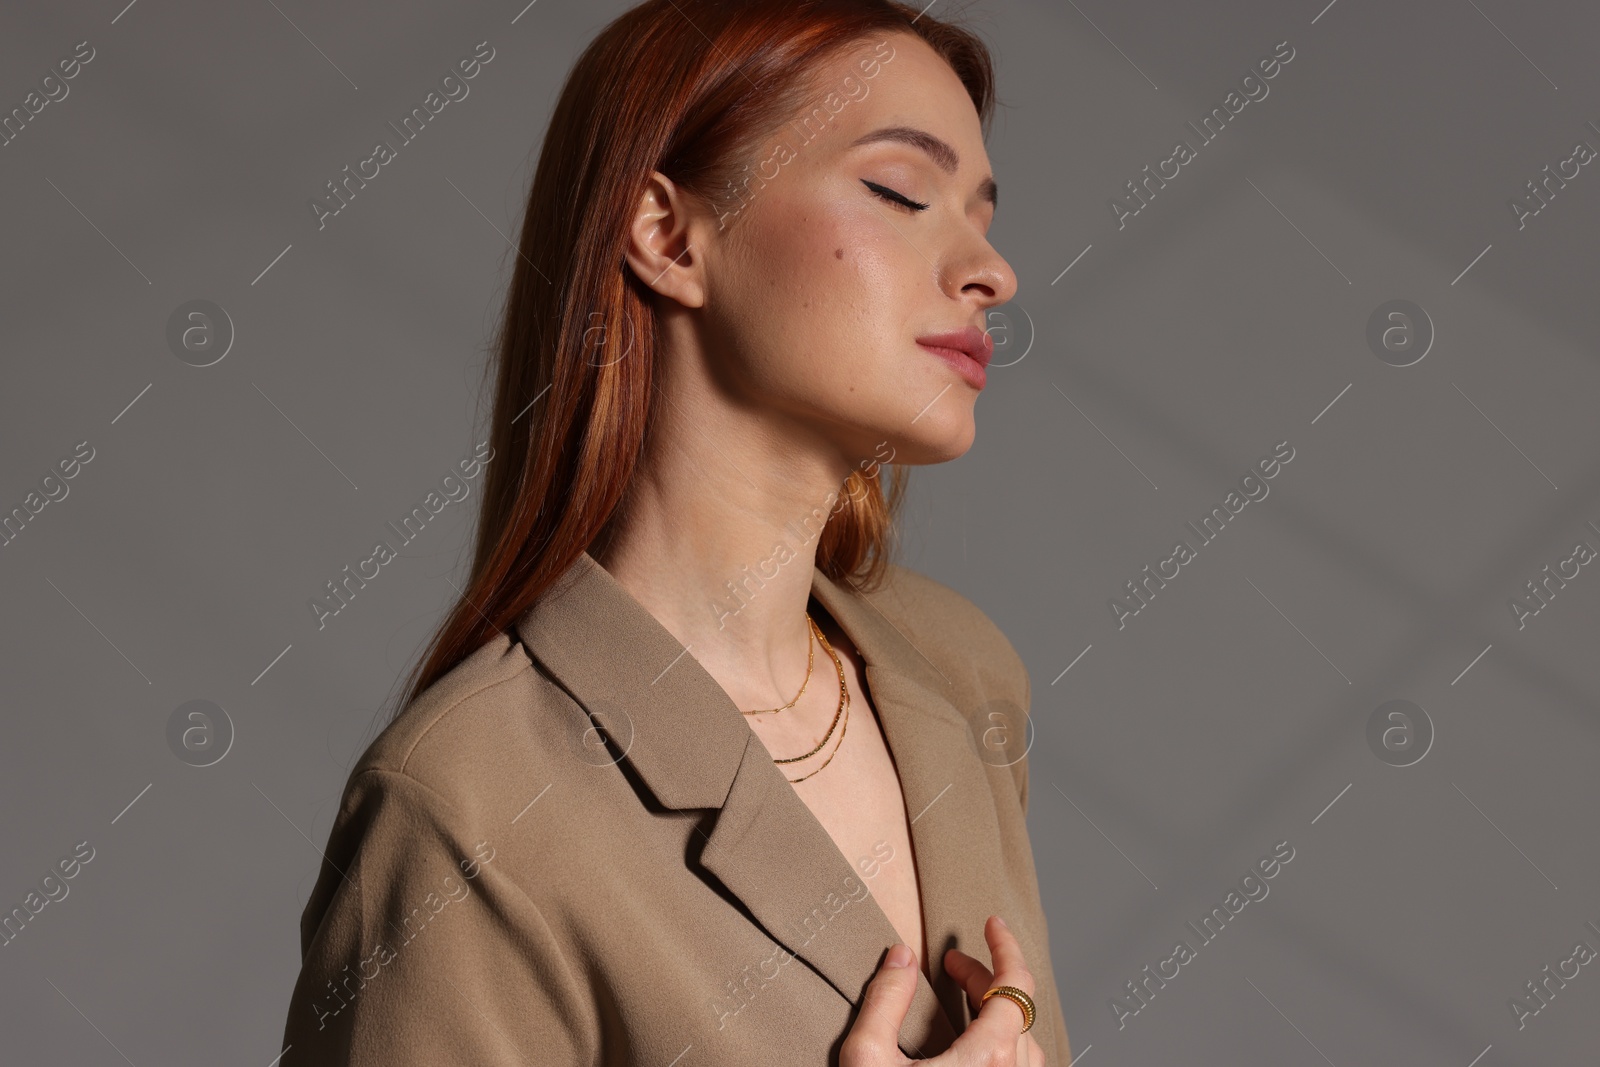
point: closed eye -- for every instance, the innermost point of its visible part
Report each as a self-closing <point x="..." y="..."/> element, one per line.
<point x="893" y="197"/>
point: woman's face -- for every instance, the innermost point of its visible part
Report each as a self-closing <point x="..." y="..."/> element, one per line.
<point x="819" y="279"/>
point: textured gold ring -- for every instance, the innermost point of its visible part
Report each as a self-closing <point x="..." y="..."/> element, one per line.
<point x="1011" y="992"/>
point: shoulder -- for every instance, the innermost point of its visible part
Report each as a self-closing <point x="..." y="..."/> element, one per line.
<point x="458" y="765"/>
<point x="486" y="723"/>
<point x="426" y="821"/>
<point x="974" y="654"/>
<point x="934" y="615"/>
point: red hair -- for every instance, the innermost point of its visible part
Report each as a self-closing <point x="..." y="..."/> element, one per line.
<point x="689" y="88"/>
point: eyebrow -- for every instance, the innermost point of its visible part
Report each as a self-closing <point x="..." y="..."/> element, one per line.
<point x="942" y="154"/>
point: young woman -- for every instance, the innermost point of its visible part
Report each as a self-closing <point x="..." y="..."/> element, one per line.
<point x="693" y="774"/>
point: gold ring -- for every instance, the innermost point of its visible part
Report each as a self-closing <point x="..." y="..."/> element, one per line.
<point x="1011" y="992"/>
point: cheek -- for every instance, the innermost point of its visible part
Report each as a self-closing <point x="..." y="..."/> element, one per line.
<point x="804" y="250"/>
<point x="822" y="303"/>
<point x="813" y="276"/>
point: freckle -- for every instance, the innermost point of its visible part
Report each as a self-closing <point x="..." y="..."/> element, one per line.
<point x="838" y="253"/>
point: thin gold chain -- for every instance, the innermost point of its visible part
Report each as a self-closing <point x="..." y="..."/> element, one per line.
<point x="811" y="655"/>
<point x="844" y="710"/>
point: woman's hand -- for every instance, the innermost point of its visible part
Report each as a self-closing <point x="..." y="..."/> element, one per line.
<point x="994" y="1039"/>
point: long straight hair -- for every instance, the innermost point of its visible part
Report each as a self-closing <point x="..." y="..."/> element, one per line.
<point x="689" y="88"/>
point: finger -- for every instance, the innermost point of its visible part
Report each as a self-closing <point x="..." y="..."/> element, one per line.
<point x="1010" y="968"/>
<point x="970" y="974"/>
<point x="876" y="1031"/>
<point x="961" y="966"/>
<point x="997" y="1022"/>
<point x="991" y="1028"/>
<point x="997" y="1025"/>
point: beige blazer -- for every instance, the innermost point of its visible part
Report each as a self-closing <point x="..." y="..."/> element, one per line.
<point x="573" y="849"/>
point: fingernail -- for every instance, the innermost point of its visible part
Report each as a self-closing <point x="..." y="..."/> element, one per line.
<point x="899" y="956"/>
<point x="1001" y="921"/>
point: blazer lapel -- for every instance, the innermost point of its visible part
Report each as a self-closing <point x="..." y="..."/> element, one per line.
<point x="661" y="714"/>
<point x="954" y="824"/>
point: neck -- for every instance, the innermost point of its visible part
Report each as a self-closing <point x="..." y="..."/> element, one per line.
<point x="718" y="541"/>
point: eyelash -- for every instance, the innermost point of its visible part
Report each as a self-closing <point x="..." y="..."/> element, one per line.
<point x="893" y="197"/>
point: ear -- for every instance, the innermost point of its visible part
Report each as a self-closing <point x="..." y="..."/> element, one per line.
<point x="662" y="245"/>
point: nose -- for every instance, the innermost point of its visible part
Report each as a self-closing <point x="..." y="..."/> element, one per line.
<point x="980" y="273"/>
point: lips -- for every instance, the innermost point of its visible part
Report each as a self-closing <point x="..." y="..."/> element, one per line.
<point x="967" y="352"/>
<point x="972" y="342"/>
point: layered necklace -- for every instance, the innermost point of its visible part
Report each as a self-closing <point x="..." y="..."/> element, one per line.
<point x="843" y="711"/>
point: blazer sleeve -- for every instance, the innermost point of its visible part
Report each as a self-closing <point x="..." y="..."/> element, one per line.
<point x="417" y="950"/>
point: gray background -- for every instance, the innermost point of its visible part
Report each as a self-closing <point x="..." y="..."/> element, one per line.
<point x="1227" y="316"/>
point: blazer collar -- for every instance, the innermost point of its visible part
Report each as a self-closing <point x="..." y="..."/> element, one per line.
<point x="664" y="716"/>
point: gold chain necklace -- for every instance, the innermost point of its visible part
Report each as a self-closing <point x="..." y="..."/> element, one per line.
<point x="811" y="654"/>
<point x="843" y="709"/>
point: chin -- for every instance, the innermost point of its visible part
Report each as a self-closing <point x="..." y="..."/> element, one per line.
<point x="935" y="437"/>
